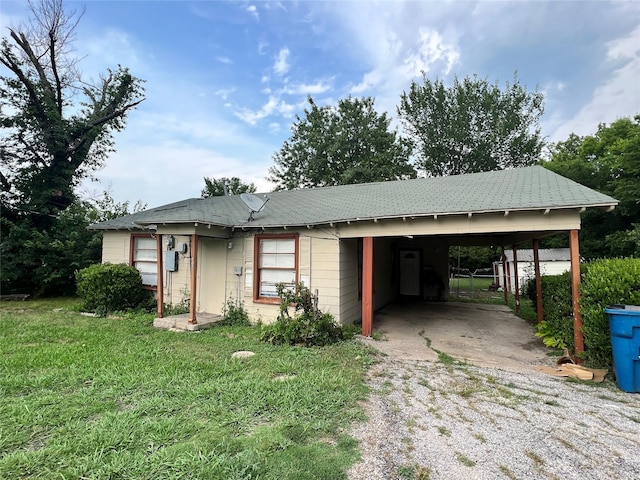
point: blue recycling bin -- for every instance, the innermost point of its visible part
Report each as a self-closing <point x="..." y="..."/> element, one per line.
<point x="624" y="321"/>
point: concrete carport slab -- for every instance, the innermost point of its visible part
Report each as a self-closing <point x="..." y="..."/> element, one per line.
<point x="480" y="334"/>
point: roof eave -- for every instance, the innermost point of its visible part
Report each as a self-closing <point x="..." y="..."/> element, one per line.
<point x="545" y="209"/>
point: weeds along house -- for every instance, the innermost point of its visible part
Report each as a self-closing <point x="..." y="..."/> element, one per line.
<point x="360" y="246"/>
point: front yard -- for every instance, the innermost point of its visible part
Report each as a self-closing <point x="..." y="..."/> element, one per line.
<point x="89" y="397"/>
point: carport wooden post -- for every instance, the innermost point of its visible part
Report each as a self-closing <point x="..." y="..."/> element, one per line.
<point x="515" y="279"/>
<point x="194" y="279"/>
<point x="367" y="286"/>
<point x="504" y="276"/>
<point x="536" y="267"/>
<point x="578" y="338"/>
<point x="160" y="286"/>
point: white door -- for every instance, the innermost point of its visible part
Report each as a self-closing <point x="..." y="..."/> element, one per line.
<point x="212" y="275"/>
<point x="410" y="272"/>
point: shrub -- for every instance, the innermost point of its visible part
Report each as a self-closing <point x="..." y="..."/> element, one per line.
<point x="235" y="316"/>
<point x="556" y="330"/>
<point x="109" y="287"/>
<point x="308" y="326"/>
<point x="180" y="307"/>
<point x="606" y="282"/>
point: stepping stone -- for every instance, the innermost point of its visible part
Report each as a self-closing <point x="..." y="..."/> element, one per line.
<point x="242" y="354"/>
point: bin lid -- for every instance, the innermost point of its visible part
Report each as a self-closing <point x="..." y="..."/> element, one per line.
<point x="623" y="309"/>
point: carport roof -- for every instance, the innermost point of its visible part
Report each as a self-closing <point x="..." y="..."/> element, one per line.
<point x="529" y="188"/>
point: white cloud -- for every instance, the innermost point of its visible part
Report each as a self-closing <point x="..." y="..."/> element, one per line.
<point x="253" y="10"/>
<point x="109" y="48"/>
<point x="392" y="42"/>
<point x="225" y="60"/>
<point x="307" y="89"/>
<point x="224" y="93"/>
<point x="616" y="97"/>
<point x="369" y="81"/>
<point x="273" y="106"/>
<point x="252" y="116"/>
<point x="431" y="49"/>
<point x="281" y="65"/>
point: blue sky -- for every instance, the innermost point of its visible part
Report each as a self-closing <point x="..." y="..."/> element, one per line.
<point x="225" y="80"/>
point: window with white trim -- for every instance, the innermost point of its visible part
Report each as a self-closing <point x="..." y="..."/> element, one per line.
<point x="276" y="262"/>
<point x="144" y="256"/>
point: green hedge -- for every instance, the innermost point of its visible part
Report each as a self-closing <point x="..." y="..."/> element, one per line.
<point x="606" y="282"/>
<point x="557" y="328"/>
<point x="111" y="287"/>
<point x="603" y="283"/>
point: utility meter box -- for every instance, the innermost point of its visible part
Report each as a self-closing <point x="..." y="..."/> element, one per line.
<point x="171" y="261"/>
<point x="237" y="270"/>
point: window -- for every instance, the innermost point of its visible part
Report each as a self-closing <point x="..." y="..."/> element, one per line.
<point x="276" y="262"/>
<point x="144" y="256"/>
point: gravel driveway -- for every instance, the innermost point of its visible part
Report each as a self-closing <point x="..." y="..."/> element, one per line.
<point x="452" y="420"/>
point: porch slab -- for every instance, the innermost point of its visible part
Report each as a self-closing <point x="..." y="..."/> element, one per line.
<point x="181" y="322"/>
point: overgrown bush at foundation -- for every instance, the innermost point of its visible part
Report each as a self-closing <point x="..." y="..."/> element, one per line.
<point x="107" y="288"/>
<point x="605" y="283"/>
<point x="308" y="326"/>
<point x="235" y="315"/>
<point x="556" y="330"/>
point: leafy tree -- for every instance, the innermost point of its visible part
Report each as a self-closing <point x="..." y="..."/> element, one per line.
<point x="57" y="128"/>
<point x="350" y="143"/>
<point x="43" y="262"/>
<point x="473" y="258"/>
<point x="215" y="187"/>
<point x="472" y="126"/>
<point x="608" y="161"/>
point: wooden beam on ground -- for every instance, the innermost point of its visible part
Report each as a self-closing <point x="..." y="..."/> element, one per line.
<point x="160" y="282"/>
<point x="536" y="267"/>
<point x="367" y="286"/>
<point x="194" y="279"/>
<point x="516" y="286"/>
<point x="578" y="338"/>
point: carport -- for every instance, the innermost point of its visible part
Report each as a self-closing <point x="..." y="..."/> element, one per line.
<point x="484" y="335"/>
<point x="506" y="208"/>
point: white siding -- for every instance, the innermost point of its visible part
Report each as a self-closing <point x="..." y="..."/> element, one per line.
<point x="177" y="285"/>
<point x="350" y="305"/>
<point x="116" y="247"/>
<point x="526" y="270"/>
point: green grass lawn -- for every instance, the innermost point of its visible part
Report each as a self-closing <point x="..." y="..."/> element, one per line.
<point x="99" y="398"/>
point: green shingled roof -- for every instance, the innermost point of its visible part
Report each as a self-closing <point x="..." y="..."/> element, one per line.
<point x="527" y="188"/>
